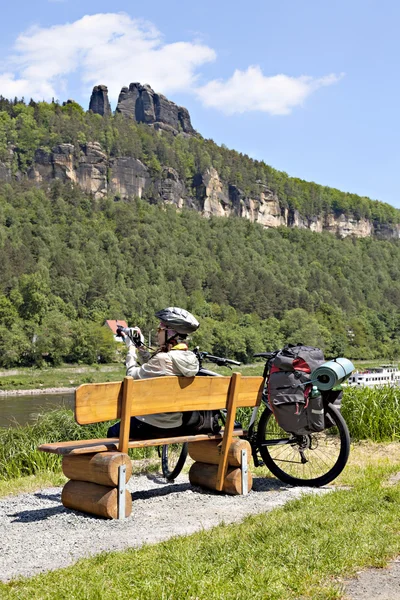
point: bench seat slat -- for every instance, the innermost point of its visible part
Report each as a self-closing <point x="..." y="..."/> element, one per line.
<point x="181" y="439"/>
<point x="81" y="446"/>
<point x="111" y="444"/>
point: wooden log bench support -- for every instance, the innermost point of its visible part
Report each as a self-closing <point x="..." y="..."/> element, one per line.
<point x="99" y="402"/>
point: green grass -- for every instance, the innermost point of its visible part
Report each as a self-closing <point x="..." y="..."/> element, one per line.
<point x="296" y="552"/>
<point x="31" y="483"/>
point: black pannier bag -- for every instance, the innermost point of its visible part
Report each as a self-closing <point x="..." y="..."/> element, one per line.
<point x="290" y="393"/>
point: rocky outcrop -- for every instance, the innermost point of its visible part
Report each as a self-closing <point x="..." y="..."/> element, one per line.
<point x="214" y="198"/>
<point x="264" y="209"/>
<point x="127" y="102"/>
<point x="58" y="164"/>
<point x="99" y="102"/>
<point x="141" y="103"/>
<point x="86" y="166"/>
<point x="171" y="190"/>
<point x="211" y="194"/>
<point x="6" y="165"/>
<point x="129" y="177"/>
<point x="344" y="226"/>
<point x="92" y="170"/>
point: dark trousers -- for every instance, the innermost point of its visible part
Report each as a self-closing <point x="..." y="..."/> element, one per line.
<point x="143" y="431"/>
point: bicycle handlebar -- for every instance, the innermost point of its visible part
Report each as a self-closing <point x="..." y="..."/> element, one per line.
<point x="218" y="359"/>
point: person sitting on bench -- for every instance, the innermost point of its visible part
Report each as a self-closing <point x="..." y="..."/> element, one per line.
<point x="171" y="358"/>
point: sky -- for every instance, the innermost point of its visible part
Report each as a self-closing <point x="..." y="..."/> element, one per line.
<point x="309" y="86"/>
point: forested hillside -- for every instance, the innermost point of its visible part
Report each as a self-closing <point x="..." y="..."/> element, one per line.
<point x="29" y="133"/>
<point x="69" y="261"/>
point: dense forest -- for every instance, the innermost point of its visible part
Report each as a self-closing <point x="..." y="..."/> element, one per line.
<point x="25" y="128"/>
<point x="68" y="262"/>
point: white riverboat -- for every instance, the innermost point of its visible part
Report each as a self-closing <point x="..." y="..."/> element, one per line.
<point x="383" y="375"/>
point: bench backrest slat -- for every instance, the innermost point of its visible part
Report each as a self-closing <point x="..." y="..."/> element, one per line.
<point x="97" y="402"/>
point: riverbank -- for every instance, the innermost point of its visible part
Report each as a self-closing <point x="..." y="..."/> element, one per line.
<point x="37" y="392"/>
<point x="56" y="380"/>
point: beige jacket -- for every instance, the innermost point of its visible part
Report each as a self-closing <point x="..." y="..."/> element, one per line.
<point x="141" y="365"/>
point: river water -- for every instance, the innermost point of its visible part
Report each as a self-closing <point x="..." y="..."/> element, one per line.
<point x="22" y="410"/>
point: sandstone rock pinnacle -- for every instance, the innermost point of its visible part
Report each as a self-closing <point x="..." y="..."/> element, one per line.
<point x="142" y="104"/>
<point x="99" y="102"/>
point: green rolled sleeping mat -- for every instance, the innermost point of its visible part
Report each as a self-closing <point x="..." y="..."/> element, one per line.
<point x="332" y="373"/>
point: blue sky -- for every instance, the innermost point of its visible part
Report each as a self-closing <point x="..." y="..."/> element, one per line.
<point x="309" y="86"/>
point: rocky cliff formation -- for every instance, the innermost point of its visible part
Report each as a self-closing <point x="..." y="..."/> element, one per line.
<point x="99" y="102"/>
<point x="124" y="177"/>
<point x="143" y="105"/>
<point x="88" y="166"/>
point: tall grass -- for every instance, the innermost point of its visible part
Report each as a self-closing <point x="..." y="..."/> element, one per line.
<point x="19" y="456"/>
<point x="372" y="413"/>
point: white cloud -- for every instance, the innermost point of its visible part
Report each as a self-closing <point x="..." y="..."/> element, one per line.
<point x="252" y="91"/>
<point x="115" y="50"/>
<point x="11" y="87"/>
<point x="104" y="48"/>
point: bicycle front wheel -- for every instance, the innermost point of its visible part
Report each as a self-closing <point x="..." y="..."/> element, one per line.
<point x="314" y="459"/>
<point x="173" y="457"/>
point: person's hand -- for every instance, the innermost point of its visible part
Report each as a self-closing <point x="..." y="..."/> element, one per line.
<point x="133" y="336"/>
<point x="120" y="332"/>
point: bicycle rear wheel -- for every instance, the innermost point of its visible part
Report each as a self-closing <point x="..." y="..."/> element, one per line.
<point x="173" y="457"/>
<point x="314" y="459"/>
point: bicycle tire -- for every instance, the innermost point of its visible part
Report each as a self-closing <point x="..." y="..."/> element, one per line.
<point x="328" y="449"/>
<point x="173" y="457"/>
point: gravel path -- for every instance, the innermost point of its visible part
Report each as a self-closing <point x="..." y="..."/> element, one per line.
<point x="376" y="584"/>
<point x="32" y="523"/>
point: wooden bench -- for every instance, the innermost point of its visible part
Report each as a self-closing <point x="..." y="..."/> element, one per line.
<point x="99" y="402"/>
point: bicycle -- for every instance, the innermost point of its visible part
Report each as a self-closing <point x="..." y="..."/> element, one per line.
<point x="314" y="459"/>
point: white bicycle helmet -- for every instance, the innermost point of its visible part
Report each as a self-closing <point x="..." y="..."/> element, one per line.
<point x="178" y="319"/>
